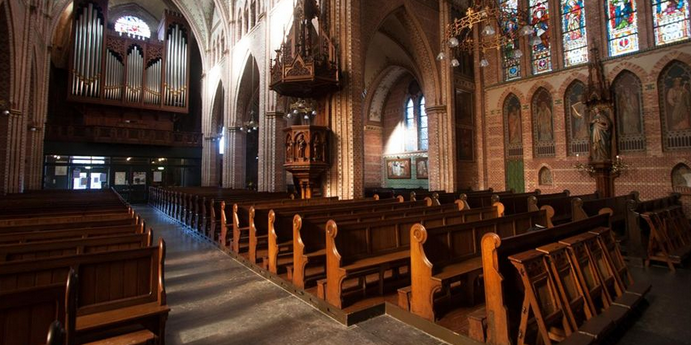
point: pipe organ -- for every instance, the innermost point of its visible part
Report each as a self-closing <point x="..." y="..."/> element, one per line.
<point x="109" y="68"/>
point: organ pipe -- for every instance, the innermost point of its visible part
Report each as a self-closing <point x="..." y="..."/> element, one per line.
<point x="150" y="73"/>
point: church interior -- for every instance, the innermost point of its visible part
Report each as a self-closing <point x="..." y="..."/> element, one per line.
<point x="500" y="172"/>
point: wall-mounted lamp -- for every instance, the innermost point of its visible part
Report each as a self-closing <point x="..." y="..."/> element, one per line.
<point x="6" y="112"/>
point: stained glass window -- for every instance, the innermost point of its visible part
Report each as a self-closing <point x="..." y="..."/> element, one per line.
<point x="132" y="26"/>
<point x="512" y="55"/>
<point x="574" y="32"/>
<point x="671" y="20"/>
<point x="622" y="28"/>
<point x="422" y="128"/>
<point x="539" y="19"/>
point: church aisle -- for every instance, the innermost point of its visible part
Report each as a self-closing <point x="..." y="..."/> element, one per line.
<point x="216" y="300"/>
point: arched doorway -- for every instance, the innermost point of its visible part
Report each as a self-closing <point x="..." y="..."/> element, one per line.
<point x="248" y="115"/>
<point x="218" y="130"/>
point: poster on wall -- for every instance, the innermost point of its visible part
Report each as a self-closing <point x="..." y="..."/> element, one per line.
<point x="421" y="171"/>
<point x="60" y="171"/>
<point x="398" y="168"/>
<point x="158" y="176"/>
<point x="139" y="178"/>
<point x="120" y="178"/>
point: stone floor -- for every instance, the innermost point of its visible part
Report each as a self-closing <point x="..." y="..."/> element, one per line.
<point x="216" y="300"/>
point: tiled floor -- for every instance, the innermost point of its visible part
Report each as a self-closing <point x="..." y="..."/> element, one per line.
<point x="216" y="300"/>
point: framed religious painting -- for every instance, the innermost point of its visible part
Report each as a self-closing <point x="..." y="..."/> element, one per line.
<point x="421" y="171"/>
<point x="398" y="168"/>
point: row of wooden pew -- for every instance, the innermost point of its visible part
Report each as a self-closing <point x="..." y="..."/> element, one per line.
<point x="79" y="267"/>
<point x="426" y="252"/>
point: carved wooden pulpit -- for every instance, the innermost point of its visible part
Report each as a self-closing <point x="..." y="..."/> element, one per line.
<point x="307" y="156"/>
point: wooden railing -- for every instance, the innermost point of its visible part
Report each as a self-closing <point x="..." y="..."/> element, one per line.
<point x="122" y="135"/>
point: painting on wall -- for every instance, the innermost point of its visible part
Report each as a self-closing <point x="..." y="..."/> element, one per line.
<point x="578" y="111"/>
<point x="398" y="168"/>
<point x="627" y="90"/>
<point x="421" y="171"/>
<point x="464" y="107"/>
<point x="542" y="115"/>
<point x="465" y="141"/>
<point x="676" y="94"/>
<point x="512" y="109"/>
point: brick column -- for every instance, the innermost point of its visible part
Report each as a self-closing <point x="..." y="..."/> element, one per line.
<point x="442" y="157"/>
<point x="346" y="177"/>
<point x="271" y="172"/>
<point x="234" y="159"/>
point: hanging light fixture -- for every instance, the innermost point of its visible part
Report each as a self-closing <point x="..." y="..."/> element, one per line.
<point x="253" y="123"/>
<point x="500" y="27"/>
<point x="303" y="108"/>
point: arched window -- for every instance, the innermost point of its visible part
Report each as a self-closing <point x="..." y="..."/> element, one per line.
<point x="422" y="127"/>
<point x="416" y="123"/>
<point x="629" y="106"/>
<point x="671" y="21"/>
<point x="132" y="27"/>
<point x="622" y="28"/>
<point x="222" y="142"/>
<point x="681" y="177"/>
<point x="410" y="126"/>
<point x="574" y="34"/>
<point x="541" y="58"/>
<point x="511" y="51"/>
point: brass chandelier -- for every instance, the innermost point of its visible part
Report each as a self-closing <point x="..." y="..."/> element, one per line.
<point x="501" y="26"/>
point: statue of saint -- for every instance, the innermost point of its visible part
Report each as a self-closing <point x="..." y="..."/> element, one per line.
<point x="302" y="144"/>
<point x="289" y="148"/>
<point x="600" y="136"/>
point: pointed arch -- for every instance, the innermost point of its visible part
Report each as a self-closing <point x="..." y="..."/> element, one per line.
<point x="543" y="123"/>
<point x="675" y="105"/>
<point x="576" y="119"/>
<point x="6" y="48"/>
<point x="628" y="104"/>
<point x="513" y="143"/>
<point x="681" y="177"/>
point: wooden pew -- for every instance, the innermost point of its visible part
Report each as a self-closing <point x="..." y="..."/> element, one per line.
<point x="582" y="209"/>
<point x="670" y="236"/>
<point x="283" y="228"/>
<point x="440" y="256"/>
<point x="132" y="294"/>
<point x="559" y="206"/>
<point x="259" y="217"/>
<point x="485" y="199"/>
<point x="64" y="234"/>
<point x="514" y="264"/>
<point x="67" y="222"/>
<point x="518" y="203"/>
<point x="638" y="230"/>
<point x="44" y="249"/>
<point x="355" y="250"/>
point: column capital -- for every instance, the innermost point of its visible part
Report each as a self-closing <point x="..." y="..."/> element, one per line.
<point x="436" y="109"/>
<point x="274" y="114"/>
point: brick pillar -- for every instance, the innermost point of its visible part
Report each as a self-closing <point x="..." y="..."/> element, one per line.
<point x="346" y="177"/>
<point x="442" y="157"/>
<point x="271" y="171"/>
<point x="234" y="160"/>
<point x="208" y="161"/>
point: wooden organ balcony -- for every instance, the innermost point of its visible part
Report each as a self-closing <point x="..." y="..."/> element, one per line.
<point x="107" y="68"/>
<point x="122" y="135"/>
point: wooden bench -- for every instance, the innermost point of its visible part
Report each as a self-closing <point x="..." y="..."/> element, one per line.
<point x="51" y="235"/>
<point x="440" y="256"/>
<point x="638" y="230"/>
<point x="533" y="263"/>
<point x="582" y="209"/>
<point x="67" y="222"/>
<point x="259" y="217"/>
<point x="310" y="246"/>
<point x="670" y="236"/>
<point x="44" y="249"/>
<point x="132" y="293"/>
<point x="559" y="205"/>
<point x="518" y="203"/>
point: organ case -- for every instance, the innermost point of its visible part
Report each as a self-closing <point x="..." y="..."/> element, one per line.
<point x="109" y="68"/>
